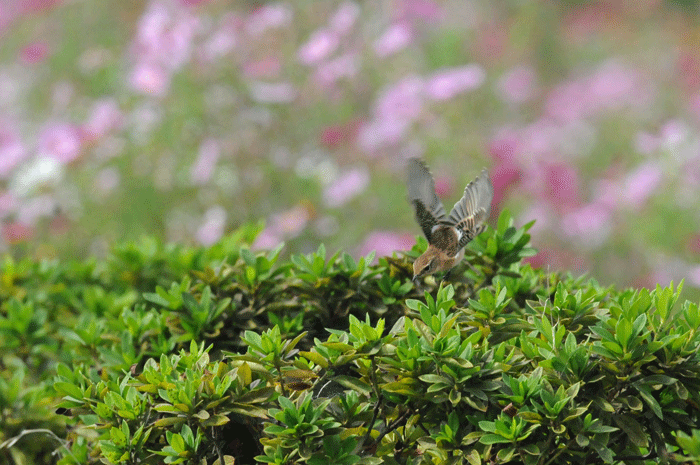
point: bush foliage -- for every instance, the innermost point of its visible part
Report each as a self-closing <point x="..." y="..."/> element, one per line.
<point x="169" y="354"/>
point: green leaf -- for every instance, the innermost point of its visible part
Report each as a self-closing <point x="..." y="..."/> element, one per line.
<point x="632" y="428"/>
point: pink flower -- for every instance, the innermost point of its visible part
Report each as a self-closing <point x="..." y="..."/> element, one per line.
<point x="12" y="151"/>
<point x="517" y="85"/>
<point x="149" y="78"/>
<point x="590" y="225"/>
<point x="612" y="86"/>
<point x="224" y="39"/>
<point x="344" y="17"/>
<point x="321" y="44"/>
<point x="640" y="184"/>
<point x="394" y="39"/>
<point x="165" y="35"/>
<point x="378" y="133"/>
<point x="270" y="16"/>
<point x="344" y="66"/>
<point x="266" y="240"/>
<point x="444" y="186"/>
<point x="561" y="184"/>
<point x="502" y="148"/>
<point x="269" y="67"/>
<point x="674" y="132"/>
<point x="16" y="232"/>
<point x="386" y="242"/>
<point x="449" y="83"/>
<point x="105" y="117"/>
<point x="290" y="223"/>
<point x="203" y="167"/>
<point x="263" y="92"/>
<point x="503" y="176"/>
<point x="403" y="100"/>
<point x="395" y="110"/>
<point x="61" y="142"/>
<point x="345" y="187"/>
<point x="424" y="10"/>
<point x="333" y="136"/>
<point x="213" y="226"/>
<point x="34" y="52"/>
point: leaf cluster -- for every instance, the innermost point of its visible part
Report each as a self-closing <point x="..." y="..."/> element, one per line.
<point x="167" y="354"/>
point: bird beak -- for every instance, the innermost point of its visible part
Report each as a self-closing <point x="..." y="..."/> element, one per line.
<point x="415" y="279"/>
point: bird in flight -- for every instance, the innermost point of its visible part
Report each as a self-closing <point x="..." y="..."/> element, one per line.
<point x="447" y="235"/>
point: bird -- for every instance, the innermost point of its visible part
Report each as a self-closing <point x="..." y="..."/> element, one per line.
<point x="447" y="235"/>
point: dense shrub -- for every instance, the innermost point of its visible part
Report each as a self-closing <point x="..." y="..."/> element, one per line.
<point x="165" y="354"/>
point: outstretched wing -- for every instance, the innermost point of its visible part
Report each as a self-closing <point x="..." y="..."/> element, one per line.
<point x="421" y="192"/>
<point x="468" y="215"/>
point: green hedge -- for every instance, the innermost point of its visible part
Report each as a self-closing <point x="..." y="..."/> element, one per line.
<point x="169" y="354"/>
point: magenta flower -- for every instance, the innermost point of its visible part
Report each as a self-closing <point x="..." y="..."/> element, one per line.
<point x="503" y="176"/>
<point x="503" y="147"/>
<point x="395" y="38"/>
<point x="16" y="232"/>
<point x="449" y="83"/>
<point x="344" y="17"/>
<point x="34" y="52"/>
<point x="203" y="167"/>
<point x="386" y="242"/>
<point x="61" y="142"/>
<point x="322" y="43"/>
<point x="345" y="187"/>
<point x="334" y="136"/>
<point x="561" y="184"/>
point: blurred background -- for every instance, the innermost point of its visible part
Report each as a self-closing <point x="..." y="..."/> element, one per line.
<point x="184" y="119"/>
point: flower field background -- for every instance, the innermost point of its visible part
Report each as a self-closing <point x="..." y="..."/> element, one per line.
<point x="184" y="119"/>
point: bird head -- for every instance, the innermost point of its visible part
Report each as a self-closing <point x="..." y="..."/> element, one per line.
<point x="426" y="264"/>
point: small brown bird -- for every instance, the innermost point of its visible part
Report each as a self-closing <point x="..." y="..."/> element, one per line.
<point x="446" y="236"/>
